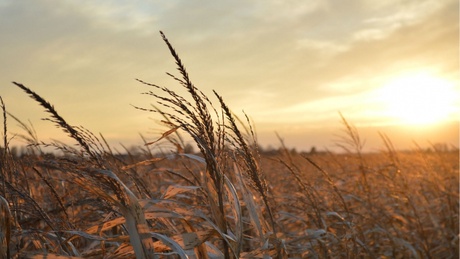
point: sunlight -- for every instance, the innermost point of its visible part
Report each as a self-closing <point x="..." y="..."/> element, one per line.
<point x="419" y="99"/>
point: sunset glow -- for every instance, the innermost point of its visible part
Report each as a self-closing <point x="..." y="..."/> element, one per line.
<point x="291" y="66"/>
<point x="419" y="99"/>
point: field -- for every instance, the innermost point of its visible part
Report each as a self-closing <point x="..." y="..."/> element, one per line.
<point x="230" y="199"/>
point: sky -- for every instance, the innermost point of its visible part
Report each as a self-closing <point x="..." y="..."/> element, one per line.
<point x="293" y="66"/>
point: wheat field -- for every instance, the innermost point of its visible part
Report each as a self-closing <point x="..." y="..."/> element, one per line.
<point x="229" y="199"/>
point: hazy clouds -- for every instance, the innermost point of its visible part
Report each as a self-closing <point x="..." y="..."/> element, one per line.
<point x="299" y="60"/>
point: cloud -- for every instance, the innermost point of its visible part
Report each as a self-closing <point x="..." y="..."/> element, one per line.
<point x="426" y="43"/>
<point x="342" y="80"/>
<point x="266" y="57"/>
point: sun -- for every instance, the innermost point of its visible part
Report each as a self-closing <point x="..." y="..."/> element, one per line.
<point x="419" y="99"/>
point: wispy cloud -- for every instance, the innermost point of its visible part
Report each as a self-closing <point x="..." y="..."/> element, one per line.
<point x="294" y="59"/>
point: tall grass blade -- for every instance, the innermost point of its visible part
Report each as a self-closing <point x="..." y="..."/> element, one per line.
<point x="5" y="228"/>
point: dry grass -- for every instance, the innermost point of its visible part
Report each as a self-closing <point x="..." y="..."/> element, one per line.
<point x="229" y="200"/>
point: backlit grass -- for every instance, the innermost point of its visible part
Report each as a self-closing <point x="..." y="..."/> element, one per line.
<point x="228" y="200"/>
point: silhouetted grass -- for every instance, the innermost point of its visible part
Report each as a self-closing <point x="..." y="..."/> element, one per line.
<point x="230" y="200"/>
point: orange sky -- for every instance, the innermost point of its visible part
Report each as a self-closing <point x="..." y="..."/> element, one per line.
<point x="290" y="65"/>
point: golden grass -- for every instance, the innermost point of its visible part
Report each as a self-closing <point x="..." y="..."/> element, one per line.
<point x="5" y="228"/>
<point x="230" y="200"/>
